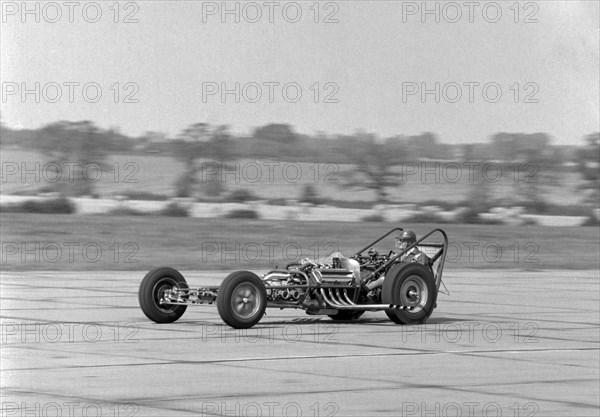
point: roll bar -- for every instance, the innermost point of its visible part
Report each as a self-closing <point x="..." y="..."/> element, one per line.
<point x="441" y="253"/>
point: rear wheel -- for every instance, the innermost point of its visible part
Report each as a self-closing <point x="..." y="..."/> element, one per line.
<point x="242" y="300"/>
<point x="151" y="292"/>
<point x="411" y="285"/>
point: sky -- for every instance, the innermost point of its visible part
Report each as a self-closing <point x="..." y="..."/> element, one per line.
<point x="332" y="67"/>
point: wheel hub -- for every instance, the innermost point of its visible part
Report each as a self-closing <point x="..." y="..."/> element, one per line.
<point x="159" y="290"/>
<point x="245" y="300"/>
<point x="413" y="293"/>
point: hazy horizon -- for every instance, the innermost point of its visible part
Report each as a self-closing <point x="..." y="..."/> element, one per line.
<point x="370" y="57"/>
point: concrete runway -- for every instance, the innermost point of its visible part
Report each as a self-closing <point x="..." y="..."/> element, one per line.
<point x="504" y="343"/>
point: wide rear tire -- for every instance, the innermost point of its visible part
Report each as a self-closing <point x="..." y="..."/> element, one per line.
<point x="152" y="288"/>
<point x="411" y="285"/>
<point x="242" y="300"/>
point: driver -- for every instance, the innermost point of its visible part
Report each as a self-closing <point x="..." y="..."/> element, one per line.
<point x="407" y="238"/>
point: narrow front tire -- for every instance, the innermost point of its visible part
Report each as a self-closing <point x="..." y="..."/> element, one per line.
<point x="152" y="290"/>
<point x="242" y="300"/>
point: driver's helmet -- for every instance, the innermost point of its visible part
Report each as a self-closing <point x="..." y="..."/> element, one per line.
<point x="407" y="238"/>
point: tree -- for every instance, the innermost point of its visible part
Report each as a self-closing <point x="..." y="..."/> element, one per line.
<point x="529" y="183"/>
<point x="220" y="145"/>
<point x="310" y="195"/>
<point x="534" y="147"/>
<point x="281" y="133"/>
<point x="201" y="141"/>
<point x="589" y="167"/>
<point x="79" y="150"/>
<point x="4" y="131"/>
<point x="373" y="165"/>
<point x="188" y="149"/>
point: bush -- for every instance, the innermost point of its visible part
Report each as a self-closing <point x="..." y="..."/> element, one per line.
<point x="471" y="216"/>
<point x="76" y="188"/>
<point x="29" y="192"/>
<point x="278" y="202"/>
<point x="174" y="210"/>
<point x="126" y="211"/>
<point x="144" y="195"/>
<point x="373" y="218"/>
<point x="241" y="196"/>
<point x="529" y="222"/>
<point x="468" y="215"/>
<point x="570" y="210"/>
<point x="242" y="214"/>
<point x="310" y="195"/>
<point x="535" y="206"/>
<point x="59" y="205"/>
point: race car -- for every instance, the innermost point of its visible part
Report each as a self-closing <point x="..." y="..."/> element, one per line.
<point x="403" y="283"/>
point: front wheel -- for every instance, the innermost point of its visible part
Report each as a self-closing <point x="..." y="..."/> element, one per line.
<point x="242" y="300"/>
<point x="152" y="290"/>
<point x="411" y="285"/>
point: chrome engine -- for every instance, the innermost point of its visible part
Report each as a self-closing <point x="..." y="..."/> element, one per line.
<point x="284" y="280"/>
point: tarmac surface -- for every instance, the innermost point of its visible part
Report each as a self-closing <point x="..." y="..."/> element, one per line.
<point x="504" y="343"/>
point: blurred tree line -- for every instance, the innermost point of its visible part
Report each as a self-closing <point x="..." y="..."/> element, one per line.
<point x="281" y="142"/>
<point x="372" y="157"/>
